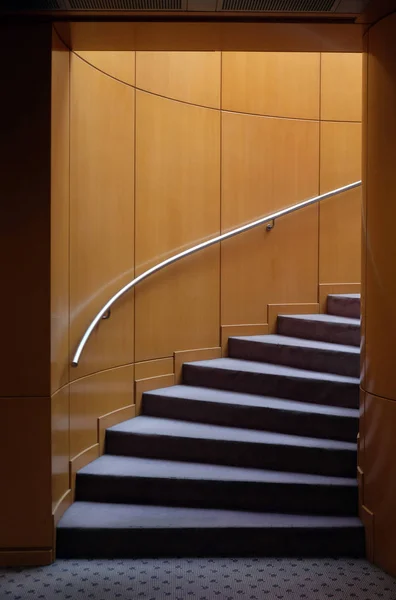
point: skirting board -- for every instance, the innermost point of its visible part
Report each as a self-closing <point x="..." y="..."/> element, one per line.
<point x="288" y="309"/>
<point x="367" y="518"/>
<point x="335" y="288"/>
<point x="152" y="383"/>
<point x="26" y="558"/>
<point x="62" y="506"/>
<point x="113" y="418"/>
<point x="79" y="461"/>
<point x="153" y="368"/>
<point x="228" y="331"/>
<point x="184" y="356"/>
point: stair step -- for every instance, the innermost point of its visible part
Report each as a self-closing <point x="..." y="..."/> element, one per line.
<point x="247" y="411"/>
<point x="102" y="530"/>
<point x="131" y="480"/>
<point x="344" y="305"/>
<point x="325" y="328"/>
<point x="273" y="380"/>
<point x="169" y="439"/>
<point x="295" y="352"/>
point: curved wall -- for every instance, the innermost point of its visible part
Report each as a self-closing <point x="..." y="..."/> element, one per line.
<point x="168" y="149"/>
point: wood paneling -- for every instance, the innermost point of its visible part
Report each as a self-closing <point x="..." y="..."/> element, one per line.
<point x="177" y="206"/>
<point x="284" y="84"/>
<point x="193" y="355"/>
<point x="120" y="65"/>
<point x="268" y="164"/>
<point x="94" y="396"/>
<point x="25" y="158"/>
<point x="101" y="214"/>
<point x="380" y="153"/>
<point x="341" y="87"/>
<point x="25" y="467"/>
<point x="152" y="383"/>
<point x="258" y="37"/>
<point x="82" y="459"/>
<point x="189" y="76"/>
<point x="60" y="176"/>
<point x="288" y="309"/>
<point x="153" y="368"/>
<point x="340" y="217"/>
<point x="228" y="331"/>
<point x="26" y="558"/>
<point x="60" y="426"/>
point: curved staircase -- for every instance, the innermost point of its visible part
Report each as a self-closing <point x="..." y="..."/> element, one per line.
<point x="255" y="454"/>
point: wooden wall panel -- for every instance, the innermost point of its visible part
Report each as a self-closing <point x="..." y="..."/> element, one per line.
<point x="268" y="164"/>
<point x="341" y="86"/>
<point x="120" y="65"/>
<point x="340" y="217"/>
<point x="243" y="37"/>
<point x="25" y="467"/>
<point x="25" y="158"/>
<point x="177" y="206"/>
<point x="101" y="215"/>
<point x="60" y="206"/>
<point x="60" y="426"/>
<point x="284" y="84"/>
<point x="94" y="396"/>
<point x="189" y="76"/>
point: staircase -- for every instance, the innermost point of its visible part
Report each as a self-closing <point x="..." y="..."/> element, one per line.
<point x="255" y="454"/>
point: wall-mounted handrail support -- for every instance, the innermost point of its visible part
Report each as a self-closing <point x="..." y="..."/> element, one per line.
<point x="105" y="310"/>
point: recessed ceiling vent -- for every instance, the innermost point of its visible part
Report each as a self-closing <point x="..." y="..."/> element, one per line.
<point x="279" y="5"/>
<point x="127" y="4"/>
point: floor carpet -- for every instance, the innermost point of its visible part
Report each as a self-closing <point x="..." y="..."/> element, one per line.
<point x="200" y="579"/>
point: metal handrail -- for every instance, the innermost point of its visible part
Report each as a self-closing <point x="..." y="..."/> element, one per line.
<point x="104" y="312"/>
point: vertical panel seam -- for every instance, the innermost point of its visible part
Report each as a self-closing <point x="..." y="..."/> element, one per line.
<point x="134" y="207"/>
<point x="319" y="165"/>
<point x="221" y="194"/>
<point x="69" y="258"/>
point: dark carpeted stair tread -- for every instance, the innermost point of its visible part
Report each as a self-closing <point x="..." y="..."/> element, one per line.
<point x="249" y="366"/>
<point x="131" y="467"/>
<point x="346" y="305"/>
<point x="322" y="327"/>
<point x="297" y="352"/>
<point x="202" y="394"/>
<point x="267" y="379"/>
<point x="247" y="411"/>
<point x="154" y="426"/>
<point x="115" y="530"/>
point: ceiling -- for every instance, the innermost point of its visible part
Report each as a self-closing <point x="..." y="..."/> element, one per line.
<point x="214" y="8"/>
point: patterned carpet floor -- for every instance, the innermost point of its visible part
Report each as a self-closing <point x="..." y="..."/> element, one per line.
<point x="200" y="579"/>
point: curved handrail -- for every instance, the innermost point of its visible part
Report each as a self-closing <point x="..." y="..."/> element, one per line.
<point x="225" y="236"/>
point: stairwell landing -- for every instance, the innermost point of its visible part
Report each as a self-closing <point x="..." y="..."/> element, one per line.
<point x="254" y="454"/>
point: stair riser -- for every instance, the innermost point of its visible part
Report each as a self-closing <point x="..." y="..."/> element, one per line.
<point x="260" y="497"/>
<point x="340" y="463"/>
<point x="334" y="333"/>
<point x="344" y="307"/>
<point x="247" y="417"/>
<point x="299" y="357"/>
<point x="222" y="541"/>
<point x="300" y="389"/>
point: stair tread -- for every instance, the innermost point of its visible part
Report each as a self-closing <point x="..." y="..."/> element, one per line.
<point x="169" y="427"/>
<point x="324" y="318"/>
<point x="347" y="296"/>
<point x="246" y="366"/>
<point x="190" y="392"/>
<point x="98" y="515"/>
<point x="283" y="340"/>
<point x="125" y="466"/>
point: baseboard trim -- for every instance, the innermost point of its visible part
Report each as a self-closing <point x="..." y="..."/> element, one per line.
<point x="288" y="309"/>
<point x="227" y="331"/>
<point x="80" y="461"/>
<point x="151" y="383"/>
<point x="367" y="518"/>
<point x="183" y="356"/>
<point x="113" y="418"/>
<point x="61" y="506"/>
<point x="26" y="558"/>
<point x="335" y="288"/>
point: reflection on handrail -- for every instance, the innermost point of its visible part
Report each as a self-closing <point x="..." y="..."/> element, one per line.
<point x="225" y="236"/>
